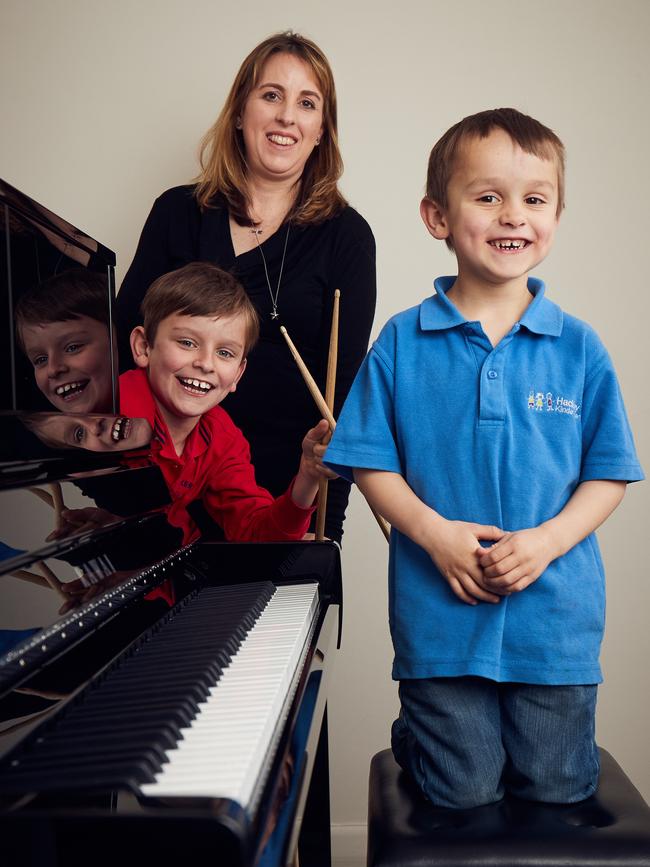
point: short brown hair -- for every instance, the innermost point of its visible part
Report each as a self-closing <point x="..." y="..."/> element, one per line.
<point x="63" y="297"/>
<point x="222" y="154"/>
<point x="198" y="289"/>
<point x="531" y="136"/>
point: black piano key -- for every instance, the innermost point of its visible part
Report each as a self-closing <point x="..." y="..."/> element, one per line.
<point x="133" y="764"/>
<point x="163" y="671"/>
<point x="110" y="705"/>
<point x="226" y="643"/>
<point x="165" y="735"/>
<point x="155" y="714"/>
<point x="180" y="688"/>
<point x="109" y="776"/>
<point x="72" y="753"/>
<point x="197" y="683"/>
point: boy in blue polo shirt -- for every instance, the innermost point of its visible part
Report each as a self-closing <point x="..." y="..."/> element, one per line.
<point x="488" y="427"/>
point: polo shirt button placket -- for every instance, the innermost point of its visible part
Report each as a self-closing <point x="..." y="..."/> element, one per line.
<point x="492" y="402"/>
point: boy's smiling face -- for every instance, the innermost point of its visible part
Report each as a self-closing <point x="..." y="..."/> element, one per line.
<point x="501" y="213"/>
<point x="71" y="360"/>
<point x="193" y="363"/>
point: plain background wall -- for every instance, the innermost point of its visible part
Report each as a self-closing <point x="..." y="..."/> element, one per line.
<point x="103" y="105"/>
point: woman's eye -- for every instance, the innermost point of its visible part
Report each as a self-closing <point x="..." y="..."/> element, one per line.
<point x="271" y="96"/>
<point x="307" y="103"/>
<point x="78" y="434"/>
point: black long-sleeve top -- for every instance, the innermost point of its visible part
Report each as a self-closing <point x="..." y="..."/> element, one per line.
<point x="272" y="405"/>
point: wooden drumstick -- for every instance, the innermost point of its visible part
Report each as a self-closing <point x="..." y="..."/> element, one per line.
<point x="323" y="408"/>
<point x="324" y="411"/>
<point x="43" y="495"/>
<point x="59" y="505"/>
<point x="25" y="575"/>
<point x="51" y="578"/>
<point x="330" y="387"/>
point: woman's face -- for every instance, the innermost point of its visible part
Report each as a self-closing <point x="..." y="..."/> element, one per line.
<point x="95" y="433"/>
<point x="71" y="360"/>
<point x="282" y="119"/>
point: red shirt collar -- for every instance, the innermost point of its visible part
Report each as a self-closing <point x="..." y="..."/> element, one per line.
<point x="137" y="400"/>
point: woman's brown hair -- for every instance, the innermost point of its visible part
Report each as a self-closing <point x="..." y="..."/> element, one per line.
<point x="222" y="155"/>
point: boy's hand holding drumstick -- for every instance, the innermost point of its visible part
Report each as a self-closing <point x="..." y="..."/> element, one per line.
<point x="312" y="470"/>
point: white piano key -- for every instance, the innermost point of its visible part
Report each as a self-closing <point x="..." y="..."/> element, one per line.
<point x="222" y="752"/>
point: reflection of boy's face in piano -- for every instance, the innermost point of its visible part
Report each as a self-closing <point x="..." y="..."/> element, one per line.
<point x="193" y="363"/>
<point x="71" y="360"/>
<point x="95" y="433"/>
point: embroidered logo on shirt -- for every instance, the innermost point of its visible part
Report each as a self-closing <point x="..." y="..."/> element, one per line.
<point x="540" y="401"/>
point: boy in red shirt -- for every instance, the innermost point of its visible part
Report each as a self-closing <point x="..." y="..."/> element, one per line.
<point x="199" y="326"/>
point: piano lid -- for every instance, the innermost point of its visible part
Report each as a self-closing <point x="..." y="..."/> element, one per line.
<point x="56" y="290"/>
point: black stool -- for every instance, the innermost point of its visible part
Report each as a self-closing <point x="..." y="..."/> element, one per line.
<point x="610" y="829"/>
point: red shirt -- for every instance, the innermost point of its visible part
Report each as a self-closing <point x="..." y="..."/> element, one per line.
<point x="215" y="467"/>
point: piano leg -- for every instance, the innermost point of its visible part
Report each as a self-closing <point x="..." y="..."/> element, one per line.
<point x="315" y="844"/>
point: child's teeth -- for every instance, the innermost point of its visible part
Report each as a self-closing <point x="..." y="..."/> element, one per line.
<point x="508" y="245"/>
<point x="197" y="383"/>
<point x="63" y="389"/>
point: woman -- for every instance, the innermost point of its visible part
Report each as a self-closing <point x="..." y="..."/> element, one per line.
<point x="266" y="207"/>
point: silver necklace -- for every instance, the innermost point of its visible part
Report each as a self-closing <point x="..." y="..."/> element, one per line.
<point x="274" y="296"/>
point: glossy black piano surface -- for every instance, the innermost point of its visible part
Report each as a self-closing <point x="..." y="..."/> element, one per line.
<point x="113" y="636"/>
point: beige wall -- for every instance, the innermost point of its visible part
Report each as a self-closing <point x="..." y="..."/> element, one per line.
<point x="102" y="107"/>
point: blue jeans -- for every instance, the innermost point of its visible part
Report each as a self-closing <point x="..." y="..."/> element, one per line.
<point x="467" y="740"/>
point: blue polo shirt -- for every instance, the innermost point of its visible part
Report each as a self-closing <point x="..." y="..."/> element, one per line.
<point x="498" y="435"/>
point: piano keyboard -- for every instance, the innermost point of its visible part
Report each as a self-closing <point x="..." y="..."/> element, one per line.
<point x="222" y="751"/>
<point x="193" y="691"/>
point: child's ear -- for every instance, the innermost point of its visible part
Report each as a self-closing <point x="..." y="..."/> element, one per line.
<point x="434" y="219"/>
<point x="242" y="368"/>
<point x="140" y="346"/>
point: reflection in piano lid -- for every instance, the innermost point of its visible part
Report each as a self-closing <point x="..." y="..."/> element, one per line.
<point x="75" y="546"/>
<point x="57" y="286"/>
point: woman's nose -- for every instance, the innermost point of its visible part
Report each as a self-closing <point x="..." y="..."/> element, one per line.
<point x="285" y="113"/>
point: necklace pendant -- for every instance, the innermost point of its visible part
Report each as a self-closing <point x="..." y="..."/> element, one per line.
<point x="272" y="295"/>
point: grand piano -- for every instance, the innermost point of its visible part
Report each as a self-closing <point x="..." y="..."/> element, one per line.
<point x="159" y="703"/>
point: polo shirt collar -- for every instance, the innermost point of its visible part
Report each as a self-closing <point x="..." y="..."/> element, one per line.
<point x="197" y="442"/>
<point x="438" y="313"/>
